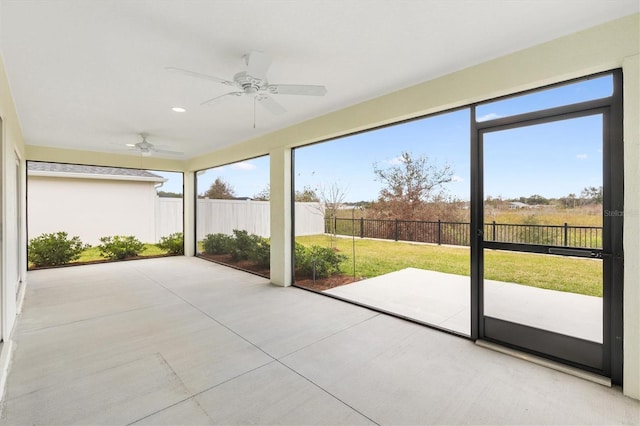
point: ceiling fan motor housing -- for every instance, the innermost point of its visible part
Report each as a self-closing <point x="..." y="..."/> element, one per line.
<point x="249" y="84"/>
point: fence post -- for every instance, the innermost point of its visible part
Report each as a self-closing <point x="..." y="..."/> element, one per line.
<point x="335" y="225"/>
<point x="439" y="231"/>
<point x="396" y="229"/>
<point x="493" y="231"/>
<point x="361" y="227"/>
<point x="566" y="234"/>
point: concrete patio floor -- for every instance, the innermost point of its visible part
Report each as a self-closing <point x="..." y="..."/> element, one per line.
<point x="184" y="341"/>
<point x="444" y="300"/>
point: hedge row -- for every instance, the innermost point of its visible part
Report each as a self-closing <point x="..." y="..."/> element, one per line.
<point x="58" y="249"/>
<point x="314" y="261"/>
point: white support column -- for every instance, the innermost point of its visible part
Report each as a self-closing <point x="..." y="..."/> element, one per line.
<point x="189" y="214"/>
<point x="280" y="183"/>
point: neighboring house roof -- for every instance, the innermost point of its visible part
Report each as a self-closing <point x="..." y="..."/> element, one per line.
<point x="39" y="168"/>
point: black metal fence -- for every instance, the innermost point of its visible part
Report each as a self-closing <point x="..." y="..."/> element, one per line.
<point x="458" y="233"/>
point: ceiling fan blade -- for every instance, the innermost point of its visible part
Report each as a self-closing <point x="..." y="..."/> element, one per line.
<point x="271" y="105"/>
<point x="257" y="64"/>
<point x="218" y="99"/>
<point x="297" y="89"/>
<point x="199" y="75"/>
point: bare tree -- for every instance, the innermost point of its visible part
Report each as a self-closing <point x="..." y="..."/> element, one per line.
<point x="410" y="186"/>
<point x="264" y="194"/>
<point x="331" y="199"/>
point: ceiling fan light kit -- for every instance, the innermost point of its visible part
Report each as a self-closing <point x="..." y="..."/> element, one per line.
<point x="146" y="148"/>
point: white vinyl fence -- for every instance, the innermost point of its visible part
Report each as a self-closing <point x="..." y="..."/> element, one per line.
<point x="223" y="216"/>
<point x="169" y="217"/>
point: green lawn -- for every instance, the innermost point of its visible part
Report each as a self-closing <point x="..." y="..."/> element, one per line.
<point x="93" y="253"/>
<point x="374" y="257"/>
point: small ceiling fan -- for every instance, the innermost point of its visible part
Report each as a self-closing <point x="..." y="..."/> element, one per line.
<point x="146" y="148"/>
<point x="253" y="82"/>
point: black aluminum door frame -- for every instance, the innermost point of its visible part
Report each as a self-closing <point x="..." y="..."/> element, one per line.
<point x="605" y="359"/>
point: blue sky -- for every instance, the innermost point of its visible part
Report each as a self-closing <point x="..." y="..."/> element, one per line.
<point x="246" y="177"/>
<point x="551" y="160"/>
<point x="174" y="183"/>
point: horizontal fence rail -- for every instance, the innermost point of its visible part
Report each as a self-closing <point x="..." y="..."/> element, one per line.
<point x="458" y="233"/>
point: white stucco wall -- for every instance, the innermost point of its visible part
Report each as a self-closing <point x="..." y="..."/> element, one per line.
<point x="91" y="208"/>
<point x="12" y="210"/>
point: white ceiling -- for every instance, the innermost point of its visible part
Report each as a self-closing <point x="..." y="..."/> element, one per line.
<point x="90" y="74"/>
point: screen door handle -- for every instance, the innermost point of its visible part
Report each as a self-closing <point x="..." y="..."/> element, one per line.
<point x="575" y="252"/>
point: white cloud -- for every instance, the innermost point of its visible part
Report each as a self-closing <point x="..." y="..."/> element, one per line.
<point x="490" y="116"/>
<point x="581" y="156"/>
<point x="456" y="178"/>
<point x="395" y="161"/>
<point x="243" y="165"/>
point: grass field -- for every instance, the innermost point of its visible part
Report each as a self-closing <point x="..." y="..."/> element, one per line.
<point x="374" y="257"/>
<point x="93" y="253"/>
<point x="579" y="216"/>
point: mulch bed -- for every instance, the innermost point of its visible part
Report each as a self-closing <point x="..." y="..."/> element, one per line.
<point x="301" y="281"/>
<point x="324" y="283"/>
<point x="245" y="265"/>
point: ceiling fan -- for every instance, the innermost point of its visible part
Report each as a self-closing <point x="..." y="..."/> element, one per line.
<point x="253" y="82"/>
<point x="146" y="148"/>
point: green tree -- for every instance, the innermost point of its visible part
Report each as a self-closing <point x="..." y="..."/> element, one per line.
<point x="166" y="194"/>
<point x="307" y="195"/>
<point x="536" y="200"/>
<point x="220" y="190"/>
<point x="591" y="195"/>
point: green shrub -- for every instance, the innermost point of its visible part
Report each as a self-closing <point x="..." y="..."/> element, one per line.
<point x="173" y="244"/>
<point x="261" y="253"/>
<point x="120" y="247"/>
<point x="54" y="249"/>
<point x="241" y="245"/>
<point x="244" y="244"/>
<point x="317" y="261"/>
<point x="217" y="244"/>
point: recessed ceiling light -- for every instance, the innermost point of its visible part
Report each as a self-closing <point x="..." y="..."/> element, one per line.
<point x="178" y="109"/>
